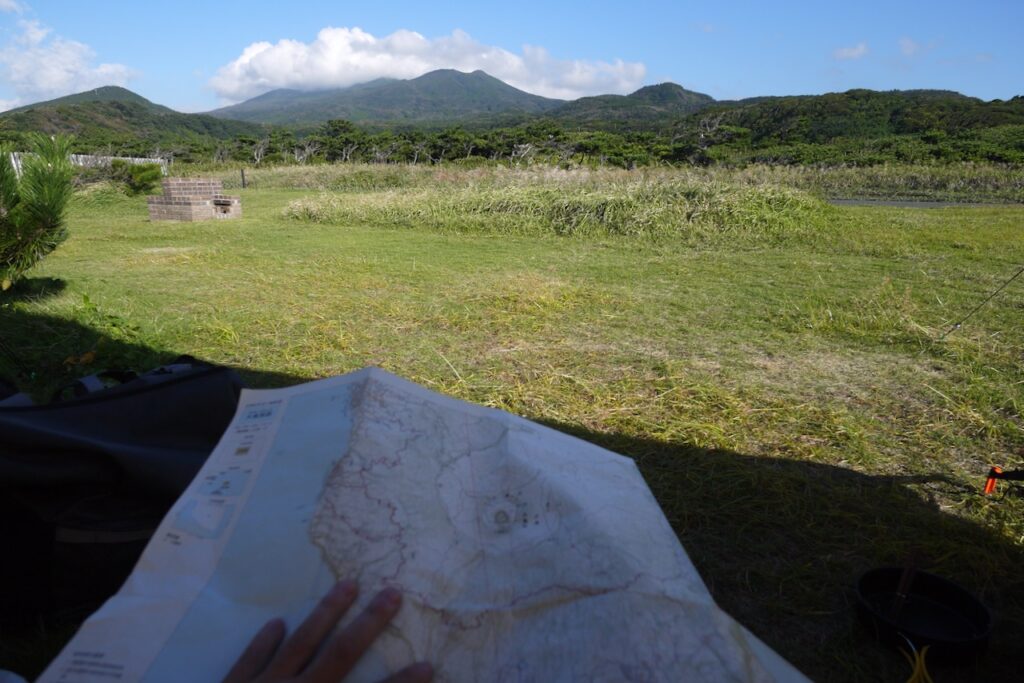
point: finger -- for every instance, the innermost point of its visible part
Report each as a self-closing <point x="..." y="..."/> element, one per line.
<point x="259" y="651"/>
<point x="420" y="672"/>
<point x="345" y="648"/>
<point x="303" y="644"/>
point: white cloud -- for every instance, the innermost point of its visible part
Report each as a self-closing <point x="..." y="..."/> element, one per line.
<point x="908" y="47"/>
<point x="911" y="48"/>
<point x="855" y="52"/>
<point x="343" y="56"/>
<point x="39" y="66"/>
<point x="11" y="6"/>
<point x="33" y="33"/>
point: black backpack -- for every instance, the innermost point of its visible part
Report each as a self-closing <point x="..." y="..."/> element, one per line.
<point x="86" y="479"/>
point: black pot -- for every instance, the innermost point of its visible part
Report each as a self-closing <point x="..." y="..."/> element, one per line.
<point x="935" y="612"/>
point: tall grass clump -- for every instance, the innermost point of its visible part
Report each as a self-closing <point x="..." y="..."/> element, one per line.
<point x="961" y="182"/>
<point x="330" y="177"/>
<point x="966" y="182"/>
<point x="664" y="206"/>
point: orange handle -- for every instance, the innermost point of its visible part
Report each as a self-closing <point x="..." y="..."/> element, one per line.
<point x="990" y="483"/>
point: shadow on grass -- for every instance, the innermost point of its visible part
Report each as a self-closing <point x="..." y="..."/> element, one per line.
<point x="33" y="288"/>
<point x="41" y="352"/>
<point x="38" y="354"/>
<point x="781" y="543"/>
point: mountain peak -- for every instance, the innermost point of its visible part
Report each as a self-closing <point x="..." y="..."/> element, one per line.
<point x="106" y="93"/>
<point x="456" y="76"/>
<point x="442" y="95"/>
<point x="670" y="94"/>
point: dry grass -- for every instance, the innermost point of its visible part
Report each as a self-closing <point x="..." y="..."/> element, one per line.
<point x="964" y="182"/>
<point x="683" y="209"/>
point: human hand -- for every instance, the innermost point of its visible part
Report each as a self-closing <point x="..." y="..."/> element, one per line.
<point x="301" y="657"/>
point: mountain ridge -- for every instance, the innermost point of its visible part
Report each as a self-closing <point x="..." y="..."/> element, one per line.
<point x="476" y="101"/>
<point x="106" y="93"/>
<point x="649" y="106"/>
<point x="112" y="113"/>
<point x="440" y="94"/>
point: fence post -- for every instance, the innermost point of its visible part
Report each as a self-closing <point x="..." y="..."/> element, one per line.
<point x="243" y="178"/>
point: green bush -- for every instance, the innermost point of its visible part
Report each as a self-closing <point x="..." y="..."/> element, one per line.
<point x="138" y="178"/>
<point x="32" y="207"/>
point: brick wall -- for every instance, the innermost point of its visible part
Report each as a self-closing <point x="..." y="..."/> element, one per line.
<point x="187" y="187"/>
<point x="180" y="209"/>
<point x="193" y="199"/>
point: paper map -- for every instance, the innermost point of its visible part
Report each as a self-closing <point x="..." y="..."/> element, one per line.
<point x="523" y="554"/>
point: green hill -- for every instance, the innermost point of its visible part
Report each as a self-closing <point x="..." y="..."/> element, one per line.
<point x="856" y="127"/>
<point x="108" y="93"/>
<point x="650" y="107"/>
<point x="480" y="115"/>
<point x="116" y="118"/>
<point x="866" y="114"/>
<point x="445" y="94"/>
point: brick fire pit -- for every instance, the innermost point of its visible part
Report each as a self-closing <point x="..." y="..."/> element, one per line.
<point x="193" y="199"/>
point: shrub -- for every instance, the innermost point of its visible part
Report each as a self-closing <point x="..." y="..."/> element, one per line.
<point x="138" y="178"/>
<point x="32" y="207"/>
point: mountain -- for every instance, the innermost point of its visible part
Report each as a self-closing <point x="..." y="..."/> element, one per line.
<point x="652" y="106"/>
<point x="443" y="95"/>
<point x="116" y="116"/>
<point x="869" y="125"/>
<point x="108" y="93"/>
<point x="864" y="114"/>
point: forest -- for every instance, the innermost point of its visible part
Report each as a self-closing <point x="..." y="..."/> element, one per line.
<point x="854" y="128"/>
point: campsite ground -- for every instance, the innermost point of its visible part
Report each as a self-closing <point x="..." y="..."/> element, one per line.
<point x="786" y="389"/>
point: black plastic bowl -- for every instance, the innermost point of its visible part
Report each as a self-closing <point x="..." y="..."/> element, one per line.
<point x="936" y="612"/>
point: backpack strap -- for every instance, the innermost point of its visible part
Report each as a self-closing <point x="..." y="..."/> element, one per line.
<point x="10" y="397"/>
<point x="91" y="384"/>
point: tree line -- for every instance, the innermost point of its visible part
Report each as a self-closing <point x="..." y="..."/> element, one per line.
<point x="705" y="140"/>
<point x="858" y="128"/>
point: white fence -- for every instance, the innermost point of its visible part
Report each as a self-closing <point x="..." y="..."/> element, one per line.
<point x="92" y="161"/>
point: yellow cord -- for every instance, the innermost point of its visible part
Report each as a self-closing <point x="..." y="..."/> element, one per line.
<point x="919" y="673"/>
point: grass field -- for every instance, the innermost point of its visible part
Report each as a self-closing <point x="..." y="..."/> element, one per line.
<point x="775" y="365"/>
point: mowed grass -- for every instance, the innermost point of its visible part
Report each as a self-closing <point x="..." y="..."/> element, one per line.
<point x="781" y="381"/>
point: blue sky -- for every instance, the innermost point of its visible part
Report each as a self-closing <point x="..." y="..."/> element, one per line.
<point x="196" y="56"/>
